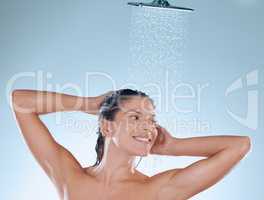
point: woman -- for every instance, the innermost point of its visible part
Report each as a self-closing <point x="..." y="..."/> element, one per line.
<point x="127" y="129"/>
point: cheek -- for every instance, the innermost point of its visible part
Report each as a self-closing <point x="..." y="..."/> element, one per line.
<point x="155" y="132"/>
<point x="124" y="135"/>
<point x="153" y="142"/>
<point x="127" y="125"/>
<point x="132" y="126"/>
<point x="129" y="129"/>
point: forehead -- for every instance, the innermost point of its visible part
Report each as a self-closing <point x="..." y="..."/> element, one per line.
<point x="138" y="104"/>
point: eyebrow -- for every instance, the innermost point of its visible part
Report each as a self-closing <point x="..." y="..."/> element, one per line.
<point x="132" y="110"/>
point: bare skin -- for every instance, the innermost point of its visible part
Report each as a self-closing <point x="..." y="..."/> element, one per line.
<point x="116" y="177"/>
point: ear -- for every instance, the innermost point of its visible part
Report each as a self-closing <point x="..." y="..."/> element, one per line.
<point x="106" y="127"/>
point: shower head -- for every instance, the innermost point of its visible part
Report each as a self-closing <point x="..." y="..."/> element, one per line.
<point x="159" y="4"/>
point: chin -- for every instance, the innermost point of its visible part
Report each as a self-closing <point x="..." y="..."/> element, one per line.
<point x="143" y="153"/>
<point x="139" y="150"/>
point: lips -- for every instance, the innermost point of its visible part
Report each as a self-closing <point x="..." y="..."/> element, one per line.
<point x="146" y="140"/>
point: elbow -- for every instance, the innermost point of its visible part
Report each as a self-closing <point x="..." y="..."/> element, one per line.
<point x="18" y="101"/>
<point x="14" y="100"/>
<point x="244" y="144"/>
<point x="247" y="143"/>
<point x="14" y="97"/>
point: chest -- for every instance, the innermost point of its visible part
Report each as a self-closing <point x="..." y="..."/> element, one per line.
<point x="94" y="191"/>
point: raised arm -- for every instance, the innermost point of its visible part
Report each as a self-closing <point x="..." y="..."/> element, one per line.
<point x="57" y="162"/>
<point x="222" y="153"/>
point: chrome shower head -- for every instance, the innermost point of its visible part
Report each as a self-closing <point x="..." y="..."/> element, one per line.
<point x="159" y="4"/>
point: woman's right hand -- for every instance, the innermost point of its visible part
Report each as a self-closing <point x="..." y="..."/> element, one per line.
<point x="92" y="104"/>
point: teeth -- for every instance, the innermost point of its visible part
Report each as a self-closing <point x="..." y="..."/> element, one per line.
<point x="141" y="139"/>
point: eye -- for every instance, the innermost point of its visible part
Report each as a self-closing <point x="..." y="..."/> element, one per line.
<point x="154" y="121"/>
<point x="134" y="117"/>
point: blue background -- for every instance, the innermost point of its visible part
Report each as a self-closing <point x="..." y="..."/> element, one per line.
<point x="63" y="40"/>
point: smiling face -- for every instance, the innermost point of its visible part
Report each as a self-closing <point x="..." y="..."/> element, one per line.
<point x="134" y="126"/>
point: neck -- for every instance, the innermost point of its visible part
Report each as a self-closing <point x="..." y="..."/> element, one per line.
<point x="115" y="166"/>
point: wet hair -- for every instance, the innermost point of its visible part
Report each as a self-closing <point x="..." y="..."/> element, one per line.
<point x="108" y="109"/>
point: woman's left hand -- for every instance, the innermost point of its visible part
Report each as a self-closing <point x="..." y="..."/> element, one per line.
<point x="162" y="141"/>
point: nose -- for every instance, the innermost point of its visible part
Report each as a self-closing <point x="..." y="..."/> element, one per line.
<point x="148" y="126"/>
<point x="149" y="129"/>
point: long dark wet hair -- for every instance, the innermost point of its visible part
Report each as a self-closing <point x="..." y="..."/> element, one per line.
<point x="108" y="109"/>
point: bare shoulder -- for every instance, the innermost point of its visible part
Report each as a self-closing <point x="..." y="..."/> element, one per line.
<point x="159" y="182"/>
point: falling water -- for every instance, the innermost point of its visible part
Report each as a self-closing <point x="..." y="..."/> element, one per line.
<point x="157" y="41"/>
<point x="156" y="45"/>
